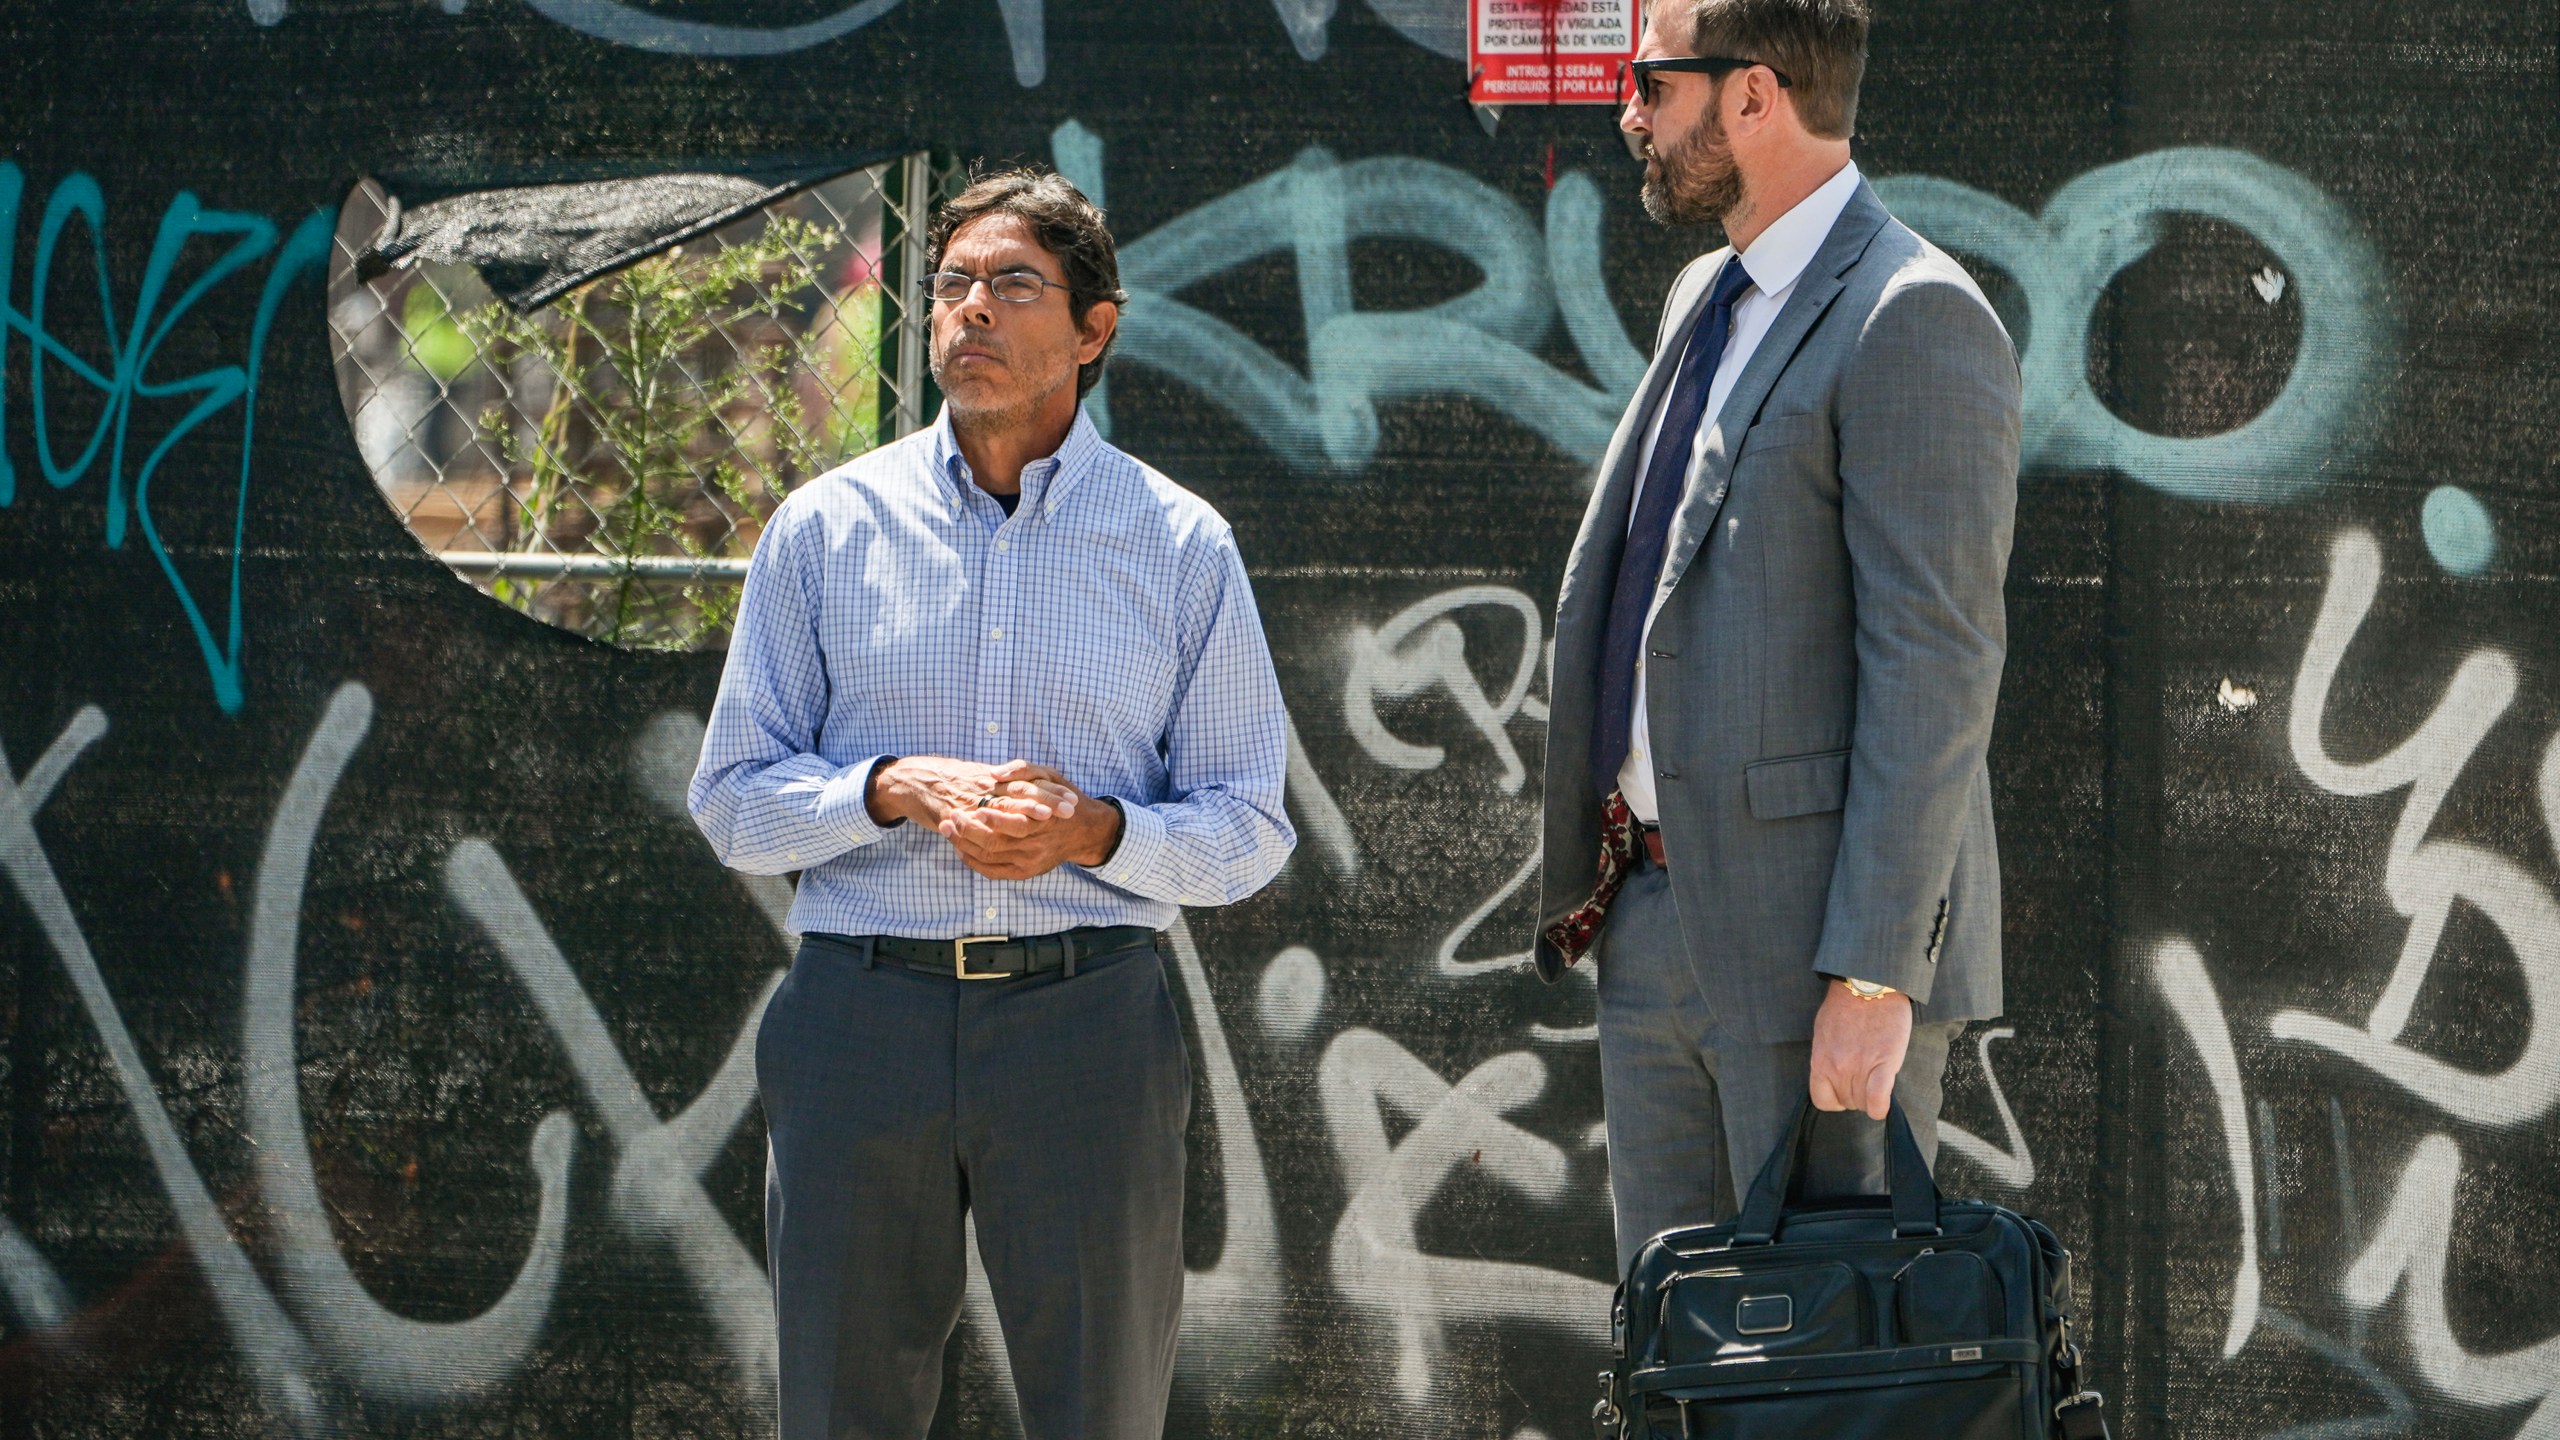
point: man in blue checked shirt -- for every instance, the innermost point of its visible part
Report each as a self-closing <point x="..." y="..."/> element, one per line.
<point x="1000" y="694"/>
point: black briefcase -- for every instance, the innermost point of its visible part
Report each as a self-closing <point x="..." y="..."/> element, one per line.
<point x="1858" y="1318"/>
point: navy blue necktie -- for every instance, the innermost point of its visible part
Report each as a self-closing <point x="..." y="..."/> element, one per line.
<point x="1640" y="565"/>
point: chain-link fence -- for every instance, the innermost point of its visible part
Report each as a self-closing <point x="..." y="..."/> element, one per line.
<point x="606" y="461"/>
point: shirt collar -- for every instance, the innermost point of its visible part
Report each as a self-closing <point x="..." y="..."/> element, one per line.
<point x="1045" y="482"/>
<point x="1781" y="252"/>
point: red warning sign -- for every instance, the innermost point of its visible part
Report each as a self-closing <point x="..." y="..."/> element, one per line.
<point x="1549" y="52"/>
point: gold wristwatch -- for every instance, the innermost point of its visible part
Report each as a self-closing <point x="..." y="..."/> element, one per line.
<point x="1866" y="989"/>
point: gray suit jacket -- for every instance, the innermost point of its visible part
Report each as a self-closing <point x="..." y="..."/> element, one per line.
<point x="1820" y="680"/>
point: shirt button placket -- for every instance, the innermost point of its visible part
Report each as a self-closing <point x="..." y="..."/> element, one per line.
<point x="995" y="675"/>
<point x="982" y="915"/>
<point x="995" y="611"/>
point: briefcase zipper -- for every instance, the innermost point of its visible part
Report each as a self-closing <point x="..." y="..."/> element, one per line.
<point x="1828" y="1247"/>
<point x="1662" y="1317"/>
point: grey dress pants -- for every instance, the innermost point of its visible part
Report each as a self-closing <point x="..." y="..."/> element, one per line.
<point x="1693" y="1110"/>
<point x="1052" y="1108"/>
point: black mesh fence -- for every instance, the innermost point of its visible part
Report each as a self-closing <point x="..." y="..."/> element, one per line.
<point x="374" y="1026"/>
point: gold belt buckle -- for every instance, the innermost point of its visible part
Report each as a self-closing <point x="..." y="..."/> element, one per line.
<point x="960" y="957"/>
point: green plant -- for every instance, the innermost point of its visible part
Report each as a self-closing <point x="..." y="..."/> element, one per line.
<point x="435" y="342"/>
<point x="645" y="398"/>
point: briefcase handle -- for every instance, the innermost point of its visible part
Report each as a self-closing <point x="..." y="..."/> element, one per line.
<point x="1915" y="1194"/>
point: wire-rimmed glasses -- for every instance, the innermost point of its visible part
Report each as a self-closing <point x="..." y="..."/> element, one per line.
<point x="1019" y="287"/>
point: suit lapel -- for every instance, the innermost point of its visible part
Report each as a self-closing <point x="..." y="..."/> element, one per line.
<point x="1821" y="283"/>
<point x="1593" y="569"/>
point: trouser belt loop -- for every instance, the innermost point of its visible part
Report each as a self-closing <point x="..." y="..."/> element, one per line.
<point x="870" y="951"/>
<point x="1067" y="948"/>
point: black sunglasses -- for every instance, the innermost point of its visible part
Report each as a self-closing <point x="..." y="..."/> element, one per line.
<point x="1645" y="70"/>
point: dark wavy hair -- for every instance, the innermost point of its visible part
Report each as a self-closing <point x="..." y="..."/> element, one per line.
<point x="1066" y="224"/>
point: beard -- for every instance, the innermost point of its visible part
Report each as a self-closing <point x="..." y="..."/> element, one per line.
<point x="1694" y="181"/>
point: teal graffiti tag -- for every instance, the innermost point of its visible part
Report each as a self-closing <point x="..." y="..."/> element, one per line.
<point x="1481" y="343"/>
<point x="1484" y="344"/>
<point x="126" y="376"/>
<point x="2107" y="219"/>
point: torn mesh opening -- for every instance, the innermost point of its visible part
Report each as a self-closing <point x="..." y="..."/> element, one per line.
<point x="533" y="244"/>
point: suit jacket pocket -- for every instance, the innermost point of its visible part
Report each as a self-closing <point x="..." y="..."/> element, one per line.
<point x="1797" y="785"/>
<point x="1781" y="432"/>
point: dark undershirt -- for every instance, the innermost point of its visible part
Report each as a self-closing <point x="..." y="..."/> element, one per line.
<point x="1010" y="502"/>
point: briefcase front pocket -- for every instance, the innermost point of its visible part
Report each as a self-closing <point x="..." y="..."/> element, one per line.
<point x="1723" y="1315"/>
<point x="1947" y="1295"/>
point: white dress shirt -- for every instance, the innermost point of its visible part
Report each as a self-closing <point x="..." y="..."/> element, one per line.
<point x="1776" y="258"/>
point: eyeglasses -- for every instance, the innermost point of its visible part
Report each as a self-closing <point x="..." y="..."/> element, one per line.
<point x="1021" y="287"/>
<point x="1643" y="71"/>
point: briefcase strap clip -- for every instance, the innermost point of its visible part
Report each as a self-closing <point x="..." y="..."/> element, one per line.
<point x="2082" y="1417"/>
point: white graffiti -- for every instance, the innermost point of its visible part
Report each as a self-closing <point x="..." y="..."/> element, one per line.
<point x="1226" y="1310"/>
<point x="1408" y="1295"/>
<point x="319" y="1349"/>
<point x="2406" y="1254"/>
<point x="2179" y="972"/>
<point x="405" y="1361"/>
<point x="1422" y="649"/>
<point x="657" y="1191"/>
<point x="2013" y="1167"/>
<point x="2425" y="877"/>
<point x="2408" y="1257"/>
<point x="1446" y="960"/>
<point x="329" y="1348"/>
<point x="1291" y="996"/>
<point x="1319" y="817"/>
<point x="283" y="1370"/>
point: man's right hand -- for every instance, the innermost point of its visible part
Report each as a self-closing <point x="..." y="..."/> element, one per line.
<point x="925" y="788"/>
<point x="1858" y="1049"/>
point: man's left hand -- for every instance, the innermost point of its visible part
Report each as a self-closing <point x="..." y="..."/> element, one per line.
<point x="1006" y="844"/>
<point x="1858" y="1047"/>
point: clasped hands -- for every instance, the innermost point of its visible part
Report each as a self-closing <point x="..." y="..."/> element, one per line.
<point x="1008" y="822"/>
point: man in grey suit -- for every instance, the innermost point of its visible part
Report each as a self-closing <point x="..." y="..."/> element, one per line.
<point x="1779" y="643"/>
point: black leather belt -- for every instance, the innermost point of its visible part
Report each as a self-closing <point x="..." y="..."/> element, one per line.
<point x="998" y="957"/>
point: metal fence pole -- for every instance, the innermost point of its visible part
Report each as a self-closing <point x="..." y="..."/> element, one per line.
<point x="909" y="210"/>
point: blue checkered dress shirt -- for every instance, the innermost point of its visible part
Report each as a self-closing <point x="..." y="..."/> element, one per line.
<point x="1106" y="628"/>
